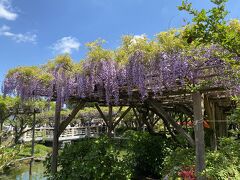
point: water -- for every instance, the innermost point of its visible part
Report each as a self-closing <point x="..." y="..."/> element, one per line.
<point x="22" y="173"/>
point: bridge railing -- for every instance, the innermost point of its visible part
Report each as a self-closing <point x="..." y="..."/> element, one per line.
<point x="70" y="133"/>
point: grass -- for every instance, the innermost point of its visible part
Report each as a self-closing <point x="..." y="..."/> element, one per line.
<point x="40" y="151"/>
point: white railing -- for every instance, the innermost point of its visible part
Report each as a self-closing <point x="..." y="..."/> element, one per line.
<point x="70" y="133"/>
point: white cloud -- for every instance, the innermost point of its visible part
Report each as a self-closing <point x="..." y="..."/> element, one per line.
<point x="137" y="37"/>
<point x="66" y="45"/>
<point x="18" y="37"/>
<point x="6" y="10"/>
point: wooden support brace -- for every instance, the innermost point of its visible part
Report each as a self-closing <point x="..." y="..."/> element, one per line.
<point x="122" y="116"/>
<point x="166" y="124"/>
<point x="101" y="114"/>
<point x="70" y="117"/>
<point x="161" y="112"/>
<point x="118" y="112"/>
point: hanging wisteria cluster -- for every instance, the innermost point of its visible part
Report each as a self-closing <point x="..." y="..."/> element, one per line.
<point x="165" y="71"/>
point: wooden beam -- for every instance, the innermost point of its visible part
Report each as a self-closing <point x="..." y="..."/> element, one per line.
<point x="119" y="110"/>
<point x="198" y="113"/>
<point x="101" y="114"/>
<point x="135" y="113"/>
<point x="70" y="117"/>
<point x="184" y="109"/>
<point x="166" y="124"/>
<point x="140" y="123"/>
<point x="55" y="134"/>
<point x="161" y="112"/>
<point x="122" y="116"/>
<point x="110" y="113"/>
<point x="110" y="121"/>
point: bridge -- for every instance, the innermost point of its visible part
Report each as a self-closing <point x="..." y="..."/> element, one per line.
<point x="69" y="134"/>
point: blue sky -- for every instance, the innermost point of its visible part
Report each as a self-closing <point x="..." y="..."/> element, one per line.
<point x="34" y="31"/>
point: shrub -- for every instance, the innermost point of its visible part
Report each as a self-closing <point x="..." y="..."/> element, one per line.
<point x="221" y="164"/>
<point x="92" y="159"/>
<point x="136" y="156"/>
<point x="147" y="153"/>
<point x="178" y="161"/>
<point x="224" y="163"/>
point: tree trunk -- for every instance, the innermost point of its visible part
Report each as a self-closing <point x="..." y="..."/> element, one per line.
<point x="198" y="112"/>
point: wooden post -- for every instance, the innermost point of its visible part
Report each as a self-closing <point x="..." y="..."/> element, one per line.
<point x="210" y="109"/>
<point x="198" y="112"/>
<point x="56" y="135"/>
<point x="214" y="138"/>
<point x="33" y="141"/>
<point x="221" y="122"/>
<point x="110" y="121"/>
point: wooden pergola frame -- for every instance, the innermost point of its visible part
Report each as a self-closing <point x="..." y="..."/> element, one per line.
<point x="211" y="101"/>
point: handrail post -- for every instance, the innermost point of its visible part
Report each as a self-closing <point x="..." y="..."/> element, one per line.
<point x="33" y="142"/>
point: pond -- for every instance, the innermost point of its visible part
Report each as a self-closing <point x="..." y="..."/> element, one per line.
<point x="22" y="173"/>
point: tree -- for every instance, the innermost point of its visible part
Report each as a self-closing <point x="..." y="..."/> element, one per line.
<point x="210" y="27"/>
<point x="6" y="107"/>
<point x="21" y="117"/>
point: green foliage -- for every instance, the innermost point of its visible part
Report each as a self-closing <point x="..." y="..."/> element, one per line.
<point x="31" y="72"/>
<point x="8" y="156"/>
<point x="92" y="159"/>
<point x="171" y="40"/>
<point x="210" y="27"/>
<point x="40" y="151"/>
<point x="5" y="107"/>
<point x="178" y="160"/>
<point x="131" y="44"/>
<point x="222" y="164"/>
<point x="64" y="60"/>
<point x="25" y="71"/>
<point x="234" y="117"/>
<point x="138" y="155"/>
<point x="146" y="154"/>
<point x="97" y="52"/>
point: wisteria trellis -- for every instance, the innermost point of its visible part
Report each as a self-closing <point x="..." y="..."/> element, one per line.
<point x="166" y="71"/>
